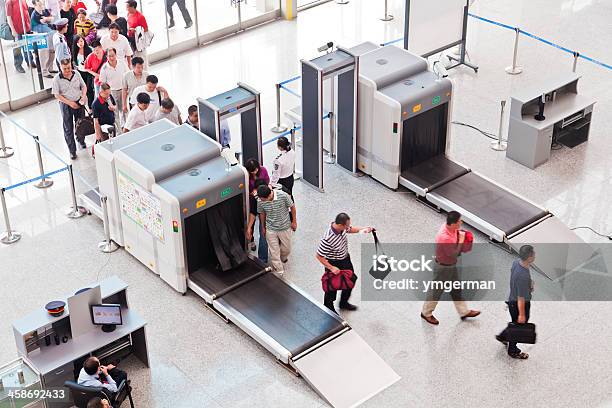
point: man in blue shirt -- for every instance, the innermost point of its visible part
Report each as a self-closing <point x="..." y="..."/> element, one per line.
<point x="60" y="45"/>
<point x="521" y="287"/>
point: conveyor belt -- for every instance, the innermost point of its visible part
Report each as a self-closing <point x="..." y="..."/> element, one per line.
<point x="216" y="282"/>
<point x="489" y="202"/>
<point x="430" y="174"/>
<point x="284" y="314"/>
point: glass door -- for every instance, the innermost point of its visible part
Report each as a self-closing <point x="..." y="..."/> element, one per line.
<point x="217" y="18"/>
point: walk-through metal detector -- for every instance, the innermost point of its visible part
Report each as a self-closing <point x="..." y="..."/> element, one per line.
<point x="343" y="65"/>
<point x="242" y="100"/>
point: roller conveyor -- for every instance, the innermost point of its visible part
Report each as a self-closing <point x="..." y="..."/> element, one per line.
<point x="430" y="174"/>
<point x="293" y="321"/>
<point x="484" y="204"/>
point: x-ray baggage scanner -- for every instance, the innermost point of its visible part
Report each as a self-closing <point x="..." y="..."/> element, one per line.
<point x="404" y="142"/>
<point x="242" y="100"/>
<point x="105" y="169"/>
<point x="183" y="211"/>
<point x="340" y="64"/>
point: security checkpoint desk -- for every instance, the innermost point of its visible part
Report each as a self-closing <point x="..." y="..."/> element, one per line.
<point x="55" y="363"/>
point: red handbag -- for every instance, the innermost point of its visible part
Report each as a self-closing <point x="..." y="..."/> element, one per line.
<point x="468" y="242"/>
<point x="343" y="280"/>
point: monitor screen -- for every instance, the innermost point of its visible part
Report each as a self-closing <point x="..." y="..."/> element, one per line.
<point x="106" y="314"/>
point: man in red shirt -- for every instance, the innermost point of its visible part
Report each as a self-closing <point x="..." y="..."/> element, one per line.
<point x="449" y="244"/>
<point x="18" y="19"/>
<point x="135" y="19"/>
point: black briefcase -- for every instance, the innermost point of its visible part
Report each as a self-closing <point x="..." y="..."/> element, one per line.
<point x="521" y="333"/>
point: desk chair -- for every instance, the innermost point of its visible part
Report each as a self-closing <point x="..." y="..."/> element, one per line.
<point x="82" y="394"/>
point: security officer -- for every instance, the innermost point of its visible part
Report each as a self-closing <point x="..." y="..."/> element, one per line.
<point x="62" y="52"/>
<point x="284" y="165"/>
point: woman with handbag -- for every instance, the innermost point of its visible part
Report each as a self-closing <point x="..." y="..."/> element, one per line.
<point x="80" y="52"/>
<point x="334" y="256"/>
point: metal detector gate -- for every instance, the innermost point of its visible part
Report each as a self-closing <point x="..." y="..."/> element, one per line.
<point x="344" y="65"/>
<point x="242" y="100"/>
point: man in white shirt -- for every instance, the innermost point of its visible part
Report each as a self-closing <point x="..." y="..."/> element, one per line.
<point x="93" y="374"/>
<point x="168" y="110"/>
<point x="141" y="114"/>
<point x="121" y="44"/>
<point x="156" y="93"/>
<point x="112" y="73"/>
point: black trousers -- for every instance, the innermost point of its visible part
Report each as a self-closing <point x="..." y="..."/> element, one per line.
<point x="182" y="8"/>
<point x="330" y="296"/>
<point x="514" y="314"/>
<point x="69" y="118"/>
<point x="118" y="375"/>
<point x="287" y="182"/>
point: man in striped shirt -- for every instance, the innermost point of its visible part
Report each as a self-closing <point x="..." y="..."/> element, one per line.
<point x="273" y="208"/>
<point x="334" y="256"/>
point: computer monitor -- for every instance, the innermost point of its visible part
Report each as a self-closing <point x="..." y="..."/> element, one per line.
<point x="106" y="315"/>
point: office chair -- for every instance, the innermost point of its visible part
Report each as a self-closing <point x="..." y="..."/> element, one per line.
<point x="82" y="394"/>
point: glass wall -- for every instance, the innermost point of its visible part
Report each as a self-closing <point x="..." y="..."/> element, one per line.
<point x="177" y="25"/>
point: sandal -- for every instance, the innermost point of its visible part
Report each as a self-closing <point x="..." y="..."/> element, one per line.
<point x="520" y="356"/>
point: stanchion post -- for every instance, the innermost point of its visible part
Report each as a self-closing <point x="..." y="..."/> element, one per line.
<point x="499" y="144"/>
<point x="5" y="151"/>
<point x="45" y="182"/>
<point x="278" y="127"/>
<point x="515" y="69"/>
<point x="76" y="211"/>
<point x="387" y="16"/>
<point x="576" y="55"/>
<point x="10" y="236"/>
<point x="108" y="245"/>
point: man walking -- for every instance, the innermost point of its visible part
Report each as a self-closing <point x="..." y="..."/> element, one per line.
<point x="131" y="80"/>
<point x="334" y="256"/>
<point x="449" y="244"/>
<point x="71" y="92"/>
<point x="183" y="8"/>
<point x="273" y="208"/>
<point x="18" y="19"/>
<point x="112" y="73"/>
<point x="121" y="44"/>
<point x="519" y="300"/>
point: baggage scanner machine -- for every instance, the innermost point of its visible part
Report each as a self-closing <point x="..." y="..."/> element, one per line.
<point x="402" y="139"/>
<point x="183" y="210"/>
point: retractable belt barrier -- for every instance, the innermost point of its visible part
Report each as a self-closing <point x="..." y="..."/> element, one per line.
<point x="44" y="179"/>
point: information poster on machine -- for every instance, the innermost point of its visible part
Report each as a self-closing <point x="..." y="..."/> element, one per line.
<point x="140" y="206"/>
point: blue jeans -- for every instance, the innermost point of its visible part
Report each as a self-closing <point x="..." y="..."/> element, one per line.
<point x="262" y="250"/>
<point x="18" y="53"/>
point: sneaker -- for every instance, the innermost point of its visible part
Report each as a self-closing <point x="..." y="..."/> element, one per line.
<point x="53" y="71"/>
<point x="285" y="260"/>
<point x="73" y="156"/>
<point x="20" y="69"/>
<point x="49" y="75"/>
<point x="83" y="145"/>
<point x="189" y="24"/>
<point x="347" y="306"/>
<point x="171" y="24"/>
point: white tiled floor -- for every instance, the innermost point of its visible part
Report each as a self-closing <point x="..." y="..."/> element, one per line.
<point x="197" y="360"/>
